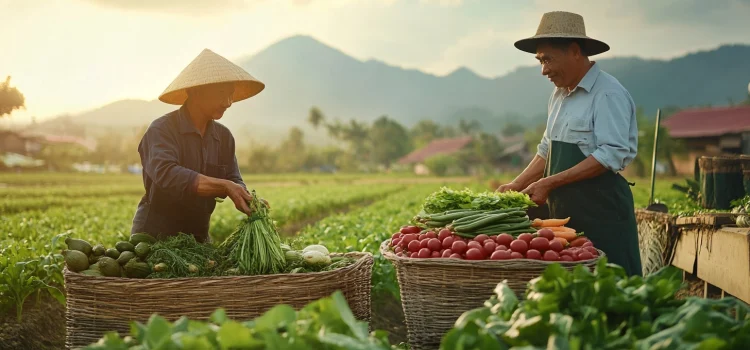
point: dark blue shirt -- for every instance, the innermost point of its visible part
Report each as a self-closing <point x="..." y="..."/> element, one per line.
<point x="173" y="153"/>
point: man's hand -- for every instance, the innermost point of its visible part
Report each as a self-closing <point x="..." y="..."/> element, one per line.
<point x="538" y="191"/>
<point x="513" y="186"/>
<point x="239" y="196"/>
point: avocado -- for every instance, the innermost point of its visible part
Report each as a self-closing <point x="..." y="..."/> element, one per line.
<point x="75" y="260"/>
<point x="109" y="267"/>
<point x="124" y="246"/>
<point x="125" y="257"/>
<point x="79" y="245"/>
<point x="112" y="253"/>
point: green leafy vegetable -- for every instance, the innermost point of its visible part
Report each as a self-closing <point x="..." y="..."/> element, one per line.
<point x="449" y="199"/>
<point x="602" y="310"/>
<point x="327" y="323"/>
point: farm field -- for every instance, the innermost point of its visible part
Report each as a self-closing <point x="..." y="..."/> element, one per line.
<point x="349" y="212"/>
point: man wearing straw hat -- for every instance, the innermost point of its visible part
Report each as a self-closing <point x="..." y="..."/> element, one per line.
<point x="187" y="156"/>
<point x="591" y="135"/>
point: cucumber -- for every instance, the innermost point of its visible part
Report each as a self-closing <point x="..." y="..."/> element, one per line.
<point x="142" y="237"/>
<point x="436" y="223"/>
<point x="519" y="228"/>
<point x="454" y="216"/>
<point x="482" y="223"/>
<point x="469" y="218"/>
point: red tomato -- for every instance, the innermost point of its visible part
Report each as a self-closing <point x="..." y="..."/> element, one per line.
<point x="587" y="244"/>
<point x="431" y="234"/>
<point x="396" y="235"/>
<point x="459" y="247"/>
<point x="551" y="255"/>
<point x="591" y="250"/>
<point x="501" y="247"/>
<point x="414" y="255"/>
<point x="566" y="258"/>
<point x="444" y="233"/>
<point x="540" y="243"/>
<point x="411" y="229"/>
<point x="533" y="254"/>
<point x="481" y="238"/>
<point x="516" y="255"/>
<point x="398" y="250"/>
<point x="526" y="237"/>
<point x="434" y="244"/>
<point x="421" y="237"/>
<point x="500" y="255"/>
<point x="556" y="246"/>
<point x="456" y="256"/>
<point x="447" y="242"/>
<point x="546" y="233"/>
<point x="414" y="246"/>
<point x="566" y="252"/>
<point x="435" y="254"/>
<point x="395" y="242"/>
<point x="519" y="246"/>
<point x="406" y="239"/>
<point x="475" y="244"/>
<point x="489" y="246"/>
<point x="447" y="253"/>
<point x="474" y="254"/>
<point x="424" y="253"/>
<point x="585" y="256"/>
<point x="423" y="242"/>
<point x="504" y="239"/>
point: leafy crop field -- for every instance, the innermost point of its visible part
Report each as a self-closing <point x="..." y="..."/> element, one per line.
<point x="344" y="212"/>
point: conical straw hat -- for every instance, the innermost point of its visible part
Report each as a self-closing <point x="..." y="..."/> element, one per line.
<point x="560" y="24"/>
<point x="210" y="68"/>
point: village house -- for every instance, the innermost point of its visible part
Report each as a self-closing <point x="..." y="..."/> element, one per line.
<point x="710" y="131"/>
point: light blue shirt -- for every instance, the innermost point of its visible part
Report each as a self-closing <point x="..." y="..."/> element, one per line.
<point x="598" y="115"/>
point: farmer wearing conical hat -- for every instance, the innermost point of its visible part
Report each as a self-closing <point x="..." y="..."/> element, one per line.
<point x="187" y="156"/>
<point x="591" y="136"/>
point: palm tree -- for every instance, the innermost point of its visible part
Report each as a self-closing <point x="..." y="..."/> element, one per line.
<point x="10" y="98"/>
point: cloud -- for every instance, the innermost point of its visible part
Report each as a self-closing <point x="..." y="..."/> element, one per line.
<point x="181" y="7"/>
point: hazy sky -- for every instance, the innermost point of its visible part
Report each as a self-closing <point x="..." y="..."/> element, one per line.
<point x="73" y="55"/>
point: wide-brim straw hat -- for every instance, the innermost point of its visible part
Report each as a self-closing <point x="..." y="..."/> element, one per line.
<point x="560" y="24"/>
<point x="211" y="68"/>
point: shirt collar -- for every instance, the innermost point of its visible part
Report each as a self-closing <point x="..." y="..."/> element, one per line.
<point x="588" y="80"/>
<point x="186" y="125"/>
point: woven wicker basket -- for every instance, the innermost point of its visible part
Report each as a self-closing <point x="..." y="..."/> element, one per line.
<point x="96" y="305"/>
<point x="435" y="292"/>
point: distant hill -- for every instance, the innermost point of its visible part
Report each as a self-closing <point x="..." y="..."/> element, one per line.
<point x="301" y="72"/>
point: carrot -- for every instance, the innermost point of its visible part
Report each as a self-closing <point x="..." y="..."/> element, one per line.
<point x="561" y="229"/>
<point x="562" y="240"/>
<point x="555" y="222"/>
<point x="549" y="222"/>
<point x="566" y="235"/>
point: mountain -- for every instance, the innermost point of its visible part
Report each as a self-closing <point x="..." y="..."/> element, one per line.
<point x="301" y="72"/>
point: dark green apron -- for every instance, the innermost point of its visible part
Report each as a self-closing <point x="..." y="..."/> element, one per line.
<point x="601" y="207"/>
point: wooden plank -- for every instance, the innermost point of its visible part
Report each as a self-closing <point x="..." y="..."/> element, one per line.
<point x="724" y="261"/>
<point x="714" y="220"/>
<point x="685" y="253"/>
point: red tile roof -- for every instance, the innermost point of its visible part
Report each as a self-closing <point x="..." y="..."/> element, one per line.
<point x="708" y="122"/>
<point x="441" y="146"/>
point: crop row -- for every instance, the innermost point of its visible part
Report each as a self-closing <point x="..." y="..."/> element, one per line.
<point x="27" y="236"/>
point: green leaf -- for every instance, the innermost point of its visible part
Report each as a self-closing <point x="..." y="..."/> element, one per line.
<point x="359" y="330"/>
<point x="233" y="335"/>
<point x="158" y="332"/>
<point x="278" y="316"/>
<point x="219" y="316"/>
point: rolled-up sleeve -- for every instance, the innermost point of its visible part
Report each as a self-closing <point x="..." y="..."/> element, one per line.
<point x="233" y="173"/>
<point x="614" y="124"/>
<point x="158" y="151"/>
<point x="543" y="148"/>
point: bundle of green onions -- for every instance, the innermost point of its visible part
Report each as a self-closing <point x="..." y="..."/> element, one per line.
<point x="255" y="247"/>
